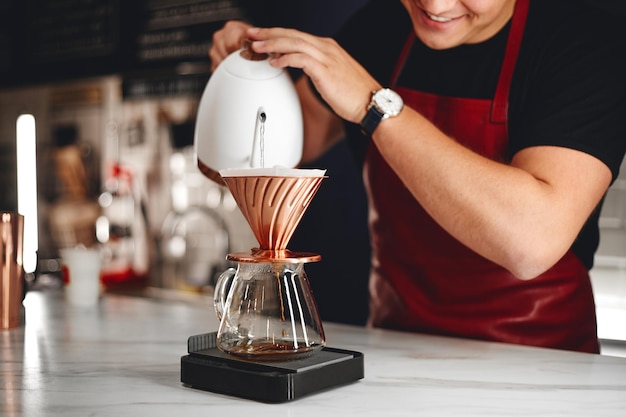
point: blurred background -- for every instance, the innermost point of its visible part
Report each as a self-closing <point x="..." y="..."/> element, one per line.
<point x="114" y="87"/>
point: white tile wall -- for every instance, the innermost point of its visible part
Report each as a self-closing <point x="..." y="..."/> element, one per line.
<point x="609" y="273"/>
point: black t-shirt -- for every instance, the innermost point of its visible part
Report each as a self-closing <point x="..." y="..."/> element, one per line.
<point x="568" y="89"/>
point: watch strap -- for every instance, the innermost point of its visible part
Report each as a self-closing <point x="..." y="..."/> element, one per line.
<point x="371" y="120"/>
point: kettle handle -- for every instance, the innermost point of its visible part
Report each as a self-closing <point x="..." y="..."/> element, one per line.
<point x="221" y="291"/>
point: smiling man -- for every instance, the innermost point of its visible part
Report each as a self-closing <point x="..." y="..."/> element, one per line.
<point x="488" y="132"/>
<point x="446" y="24"/>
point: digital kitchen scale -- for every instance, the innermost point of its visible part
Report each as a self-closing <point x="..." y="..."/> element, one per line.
<point x="208" y="368"/>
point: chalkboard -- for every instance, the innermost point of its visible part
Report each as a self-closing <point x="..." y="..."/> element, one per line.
<point x="49" y="40"/>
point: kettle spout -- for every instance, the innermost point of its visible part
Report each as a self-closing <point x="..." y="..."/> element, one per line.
<point x="257" y="156"/>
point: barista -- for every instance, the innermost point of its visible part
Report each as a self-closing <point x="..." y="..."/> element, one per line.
<point x="485" y="161"/>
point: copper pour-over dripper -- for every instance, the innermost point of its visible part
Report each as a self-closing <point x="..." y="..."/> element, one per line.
<point x="273" y="207"/>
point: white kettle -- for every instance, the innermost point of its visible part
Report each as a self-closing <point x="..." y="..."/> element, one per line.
<point x="249" y="116"/>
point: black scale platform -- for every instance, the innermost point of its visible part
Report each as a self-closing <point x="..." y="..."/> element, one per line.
<point x="208" y="368"/>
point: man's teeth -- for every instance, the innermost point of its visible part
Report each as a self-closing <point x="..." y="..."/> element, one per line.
<point x="438" y="18"/>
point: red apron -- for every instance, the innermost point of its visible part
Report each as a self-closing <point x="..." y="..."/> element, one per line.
<point x="425" y="280"/>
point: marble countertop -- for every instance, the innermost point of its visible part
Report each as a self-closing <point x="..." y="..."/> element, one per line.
<point x="123" y="359"/>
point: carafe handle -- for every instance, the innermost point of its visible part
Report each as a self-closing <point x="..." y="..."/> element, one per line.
<point x="221" y="291"/>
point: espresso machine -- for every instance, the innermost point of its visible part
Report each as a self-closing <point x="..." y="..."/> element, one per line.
<point x="270" y="345"/>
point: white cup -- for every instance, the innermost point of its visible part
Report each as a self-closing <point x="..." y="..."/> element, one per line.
<point x="83" y="269"/>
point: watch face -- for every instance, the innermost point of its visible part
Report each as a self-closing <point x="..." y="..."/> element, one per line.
<point x="388" y="102"/>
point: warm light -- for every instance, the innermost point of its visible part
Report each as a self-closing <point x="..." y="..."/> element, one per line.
<point x="102" y="229"/>
<point x="27" y="187"/>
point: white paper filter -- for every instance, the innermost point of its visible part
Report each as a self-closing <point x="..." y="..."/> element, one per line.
<point x="272" y="172"/>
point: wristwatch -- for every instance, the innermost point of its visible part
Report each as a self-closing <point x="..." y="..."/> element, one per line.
<point x="385" y="103"/>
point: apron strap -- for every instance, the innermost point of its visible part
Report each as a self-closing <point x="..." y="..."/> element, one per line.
<point x="406" y="49"/>
<point x="500" y="107"/>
